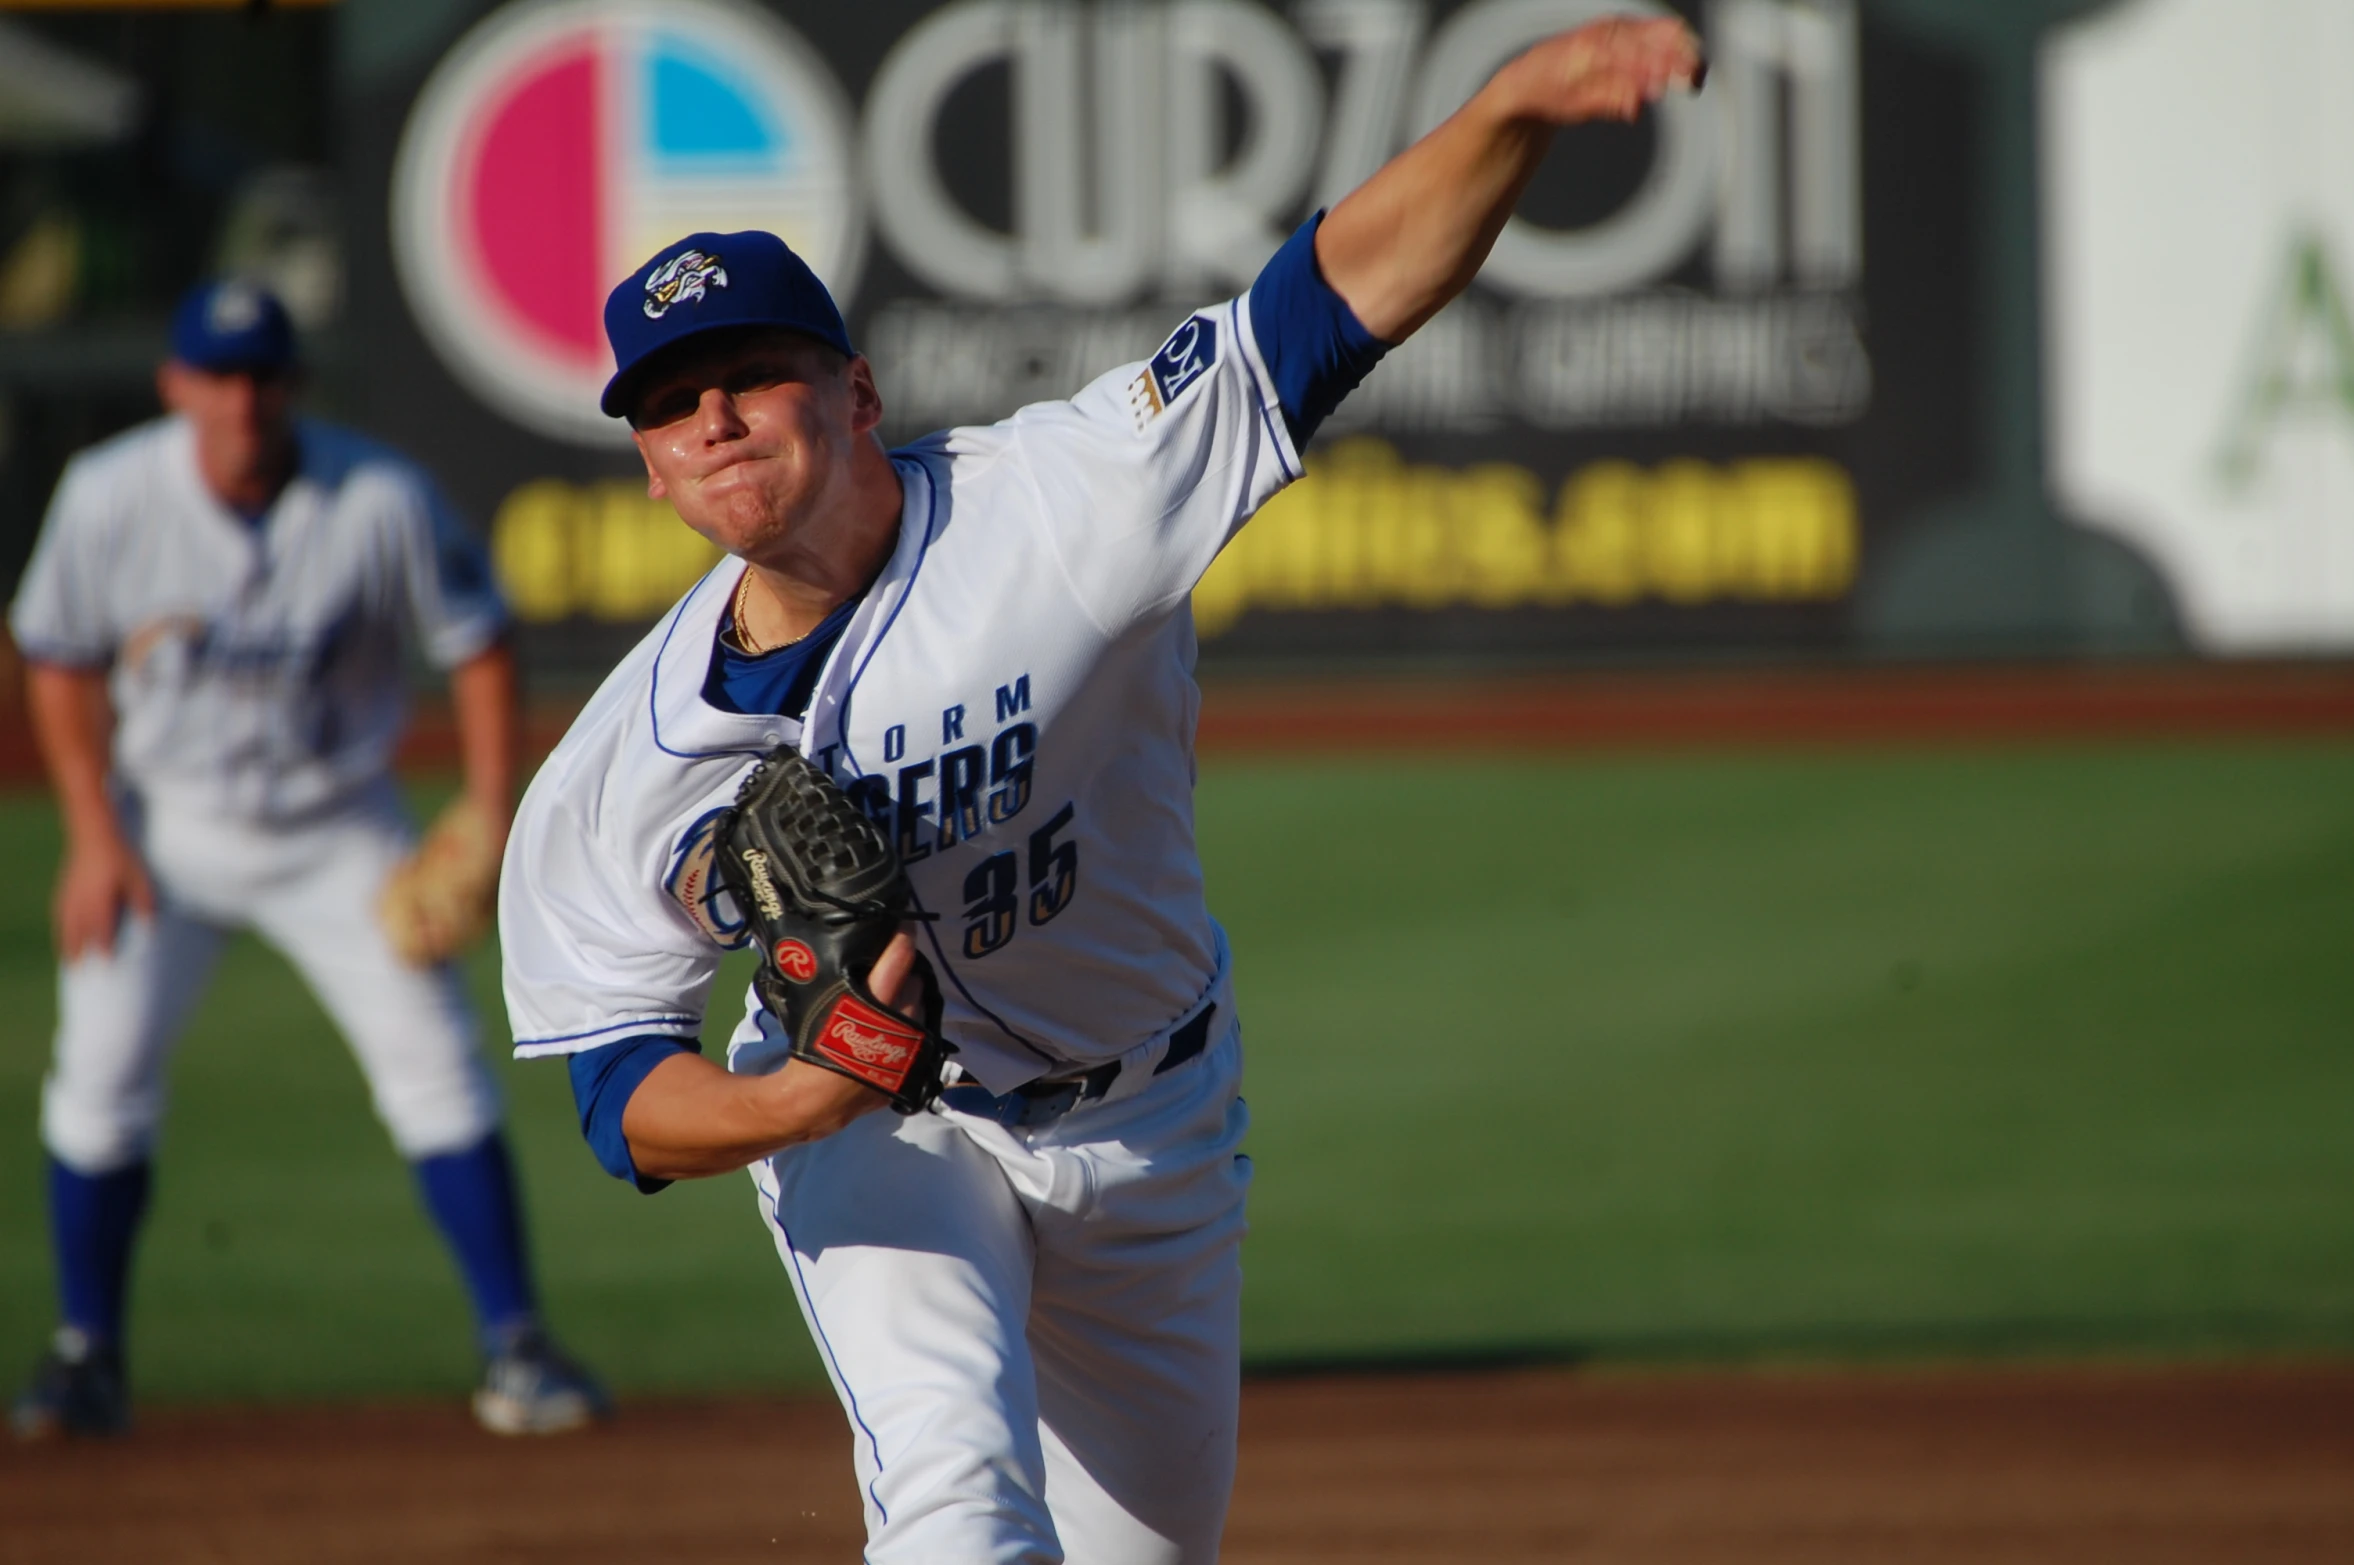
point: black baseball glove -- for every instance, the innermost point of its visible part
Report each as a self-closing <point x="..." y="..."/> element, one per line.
<point x="823" y="893"/>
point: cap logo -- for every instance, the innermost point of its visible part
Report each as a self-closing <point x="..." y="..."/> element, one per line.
<point x="233" y="308"/>
<point x="683" y="279"/>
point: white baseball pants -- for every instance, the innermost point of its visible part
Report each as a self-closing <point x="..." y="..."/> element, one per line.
<point x="1036" y="1333"/>
<point x="310" y="891"/>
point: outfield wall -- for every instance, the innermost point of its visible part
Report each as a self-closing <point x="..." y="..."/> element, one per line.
<point x="1930" y="329"/>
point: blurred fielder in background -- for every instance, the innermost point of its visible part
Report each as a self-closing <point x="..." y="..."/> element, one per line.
<point x="214" y="622"/>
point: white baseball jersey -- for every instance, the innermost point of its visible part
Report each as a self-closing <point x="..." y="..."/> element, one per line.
<point x="1013" y="701"/>
<point x="257" y="665"/>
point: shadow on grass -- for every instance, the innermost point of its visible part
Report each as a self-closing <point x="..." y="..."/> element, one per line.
<point x="2220" y="1336"/>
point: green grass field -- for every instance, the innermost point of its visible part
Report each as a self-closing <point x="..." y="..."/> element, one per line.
<point x="2034" y="1052"/>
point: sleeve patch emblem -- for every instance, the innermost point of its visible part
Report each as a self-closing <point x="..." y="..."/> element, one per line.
<point x="1185" y="358"/>
<point x="1144" y="400"/>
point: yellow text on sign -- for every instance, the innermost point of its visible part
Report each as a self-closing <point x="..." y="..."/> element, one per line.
<point x="1365" y="530"/>
<point x="602" y="551"/>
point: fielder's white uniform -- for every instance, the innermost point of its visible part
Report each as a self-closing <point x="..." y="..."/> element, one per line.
<point x="257" y="678"/>
<point x="1034" y="1331"/>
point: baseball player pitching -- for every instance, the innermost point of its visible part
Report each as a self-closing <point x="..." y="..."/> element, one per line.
<point x="925" y="743"/>
<point x="214" y="623"/>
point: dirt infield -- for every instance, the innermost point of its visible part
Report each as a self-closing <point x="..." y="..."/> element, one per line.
<point x="2078" y="1466"/>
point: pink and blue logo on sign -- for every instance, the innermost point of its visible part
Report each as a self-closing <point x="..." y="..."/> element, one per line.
<point x="562" y="142"/>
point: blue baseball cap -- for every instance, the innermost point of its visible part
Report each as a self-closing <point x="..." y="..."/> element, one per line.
<point x="232" y="324"/>
<point x="713" y="282"/>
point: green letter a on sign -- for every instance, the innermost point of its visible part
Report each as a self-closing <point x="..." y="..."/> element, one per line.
<point x="2304" y="359"/>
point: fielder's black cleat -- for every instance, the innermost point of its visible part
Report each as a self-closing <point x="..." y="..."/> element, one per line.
<point x="77" y="1389"/>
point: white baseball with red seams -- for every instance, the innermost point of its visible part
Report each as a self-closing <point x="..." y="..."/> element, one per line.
<point x="1013" y="701"/>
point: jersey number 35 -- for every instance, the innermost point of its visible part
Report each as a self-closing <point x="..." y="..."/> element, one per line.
<point x="993" y="899"/>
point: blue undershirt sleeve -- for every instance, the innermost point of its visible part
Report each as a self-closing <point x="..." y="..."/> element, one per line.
<point x="1315" y="348"/>
<point x="603" y="1080"/>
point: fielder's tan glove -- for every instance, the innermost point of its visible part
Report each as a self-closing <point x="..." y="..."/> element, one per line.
<point x="445" y="896"/>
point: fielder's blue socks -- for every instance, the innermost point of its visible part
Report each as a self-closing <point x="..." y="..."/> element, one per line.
<point x="92" y="1220"/>
<point x="472" y="1197"/>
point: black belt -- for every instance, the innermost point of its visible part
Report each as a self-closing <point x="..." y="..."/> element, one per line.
<point x="1040" y="1102"/>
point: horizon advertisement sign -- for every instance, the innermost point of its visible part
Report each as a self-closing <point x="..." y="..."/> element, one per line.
<point x="1712" y="359"/>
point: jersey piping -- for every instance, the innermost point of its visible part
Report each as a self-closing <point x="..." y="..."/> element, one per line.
<point x="850" y="756"/>
<point x="651" y="1025"/>
<point x="654" y="693"/>
<point x="906" y="590"/>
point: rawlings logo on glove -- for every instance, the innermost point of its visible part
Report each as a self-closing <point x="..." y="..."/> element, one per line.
<point x="763" y="888"/>
<point x="875" y="1046"/>
<point x="824" y="895"/>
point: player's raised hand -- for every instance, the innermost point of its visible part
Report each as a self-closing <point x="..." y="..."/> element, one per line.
<point x="1606" y="70"/>
<point x="100" y="880"/>
<point x="1413" y="236"/>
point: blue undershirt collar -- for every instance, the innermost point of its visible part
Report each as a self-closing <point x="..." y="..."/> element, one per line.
<point x="778" y="682"/>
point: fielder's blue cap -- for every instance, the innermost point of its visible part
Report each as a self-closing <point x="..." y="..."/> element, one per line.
<point x="713" y="282"/>
<point x="232" y="324"/>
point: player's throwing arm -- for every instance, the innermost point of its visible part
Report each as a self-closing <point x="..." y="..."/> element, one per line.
<point x="1413" y="236"/>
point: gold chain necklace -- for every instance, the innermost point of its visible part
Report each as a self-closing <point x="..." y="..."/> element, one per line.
<point x="744" y="643"/>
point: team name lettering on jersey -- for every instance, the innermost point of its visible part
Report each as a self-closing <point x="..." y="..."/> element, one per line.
<point x="962" y="792"/>
<point x="958" y="791"/>
<point x="236" y="652"/>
